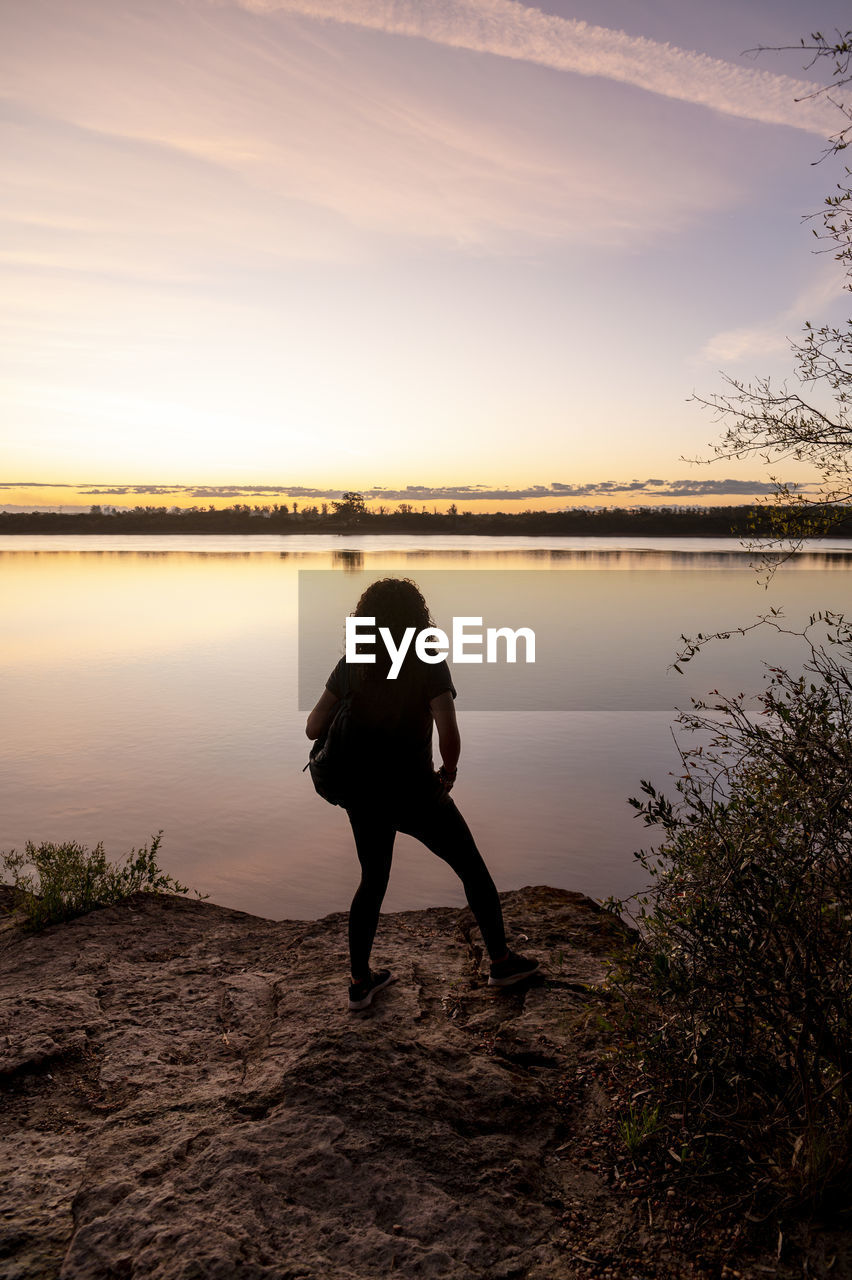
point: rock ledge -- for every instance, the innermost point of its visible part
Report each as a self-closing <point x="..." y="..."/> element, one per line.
<point x="186" y="1095"/>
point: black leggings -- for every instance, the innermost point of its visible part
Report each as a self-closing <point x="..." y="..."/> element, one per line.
<point x="438" y="824"/>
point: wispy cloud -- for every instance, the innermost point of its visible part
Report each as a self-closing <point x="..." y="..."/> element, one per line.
<point x="773" y="337"/>
<point x="319" y="142"/>
<point x="419" y="493"/>
<point x="511" y="30"/>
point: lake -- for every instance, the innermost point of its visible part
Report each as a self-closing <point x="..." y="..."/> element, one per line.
<point x="157" y="682"/>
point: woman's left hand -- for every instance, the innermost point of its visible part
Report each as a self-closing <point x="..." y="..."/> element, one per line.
<point x="446" y="778"/>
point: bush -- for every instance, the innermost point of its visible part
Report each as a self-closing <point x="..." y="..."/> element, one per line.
<point x="741" y="985"/>
<point x="68" y="879"/>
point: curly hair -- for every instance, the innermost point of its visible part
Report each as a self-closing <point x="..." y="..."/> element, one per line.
<point x="395" y="603"/>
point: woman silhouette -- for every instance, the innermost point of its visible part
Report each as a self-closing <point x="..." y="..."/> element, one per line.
<point x="394" y="786"/>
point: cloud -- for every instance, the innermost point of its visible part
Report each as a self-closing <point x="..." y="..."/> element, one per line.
<point x="771" y="337"/>
<point x="669" y="488"/>
<point x="739" y="345"/>
<point x="220" y="147"/>
<point x="511" y="30"/>
<point x="419" y="493"/>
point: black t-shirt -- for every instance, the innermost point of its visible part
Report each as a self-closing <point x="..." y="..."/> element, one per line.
<point x="393" y="717"/>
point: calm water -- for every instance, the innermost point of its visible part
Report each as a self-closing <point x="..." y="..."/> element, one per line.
<point x="153" y="682"/>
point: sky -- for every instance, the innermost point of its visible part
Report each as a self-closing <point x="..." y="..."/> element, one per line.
<point x="466" y="250"/>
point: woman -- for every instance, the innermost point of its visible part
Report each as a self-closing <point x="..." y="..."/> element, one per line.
<point x="394" y="786"/>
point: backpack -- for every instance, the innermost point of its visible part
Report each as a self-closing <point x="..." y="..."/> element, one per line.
<point x="333" y="755"/>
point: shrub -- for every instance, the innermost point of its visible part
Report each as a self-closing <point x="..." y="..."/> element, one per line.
<point x="741" y="985"/>
<point x="68" y="880"/>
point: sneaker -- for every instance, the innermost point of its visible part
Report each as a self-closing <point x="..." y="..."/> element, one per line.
<point x="513" y="969"/>
<point x="361" y="993"/>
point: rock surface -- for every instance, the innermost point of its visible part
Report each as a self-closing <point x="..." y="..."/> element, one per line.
<point x="187" y="1095"/>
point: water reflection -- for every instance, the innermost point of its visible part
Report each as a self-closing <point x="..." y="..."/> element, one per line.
<point x="150" y="685"/>
<point x="348" y="561"/>
<point x="655" y="553"/>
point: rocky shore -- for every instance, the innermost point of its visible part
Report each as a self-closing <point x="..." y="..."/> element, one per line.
<point x="187" y="1097"/>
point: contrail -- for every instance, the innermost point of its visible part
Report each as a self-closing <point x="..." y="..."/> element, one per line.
<point x="508" y="29"/>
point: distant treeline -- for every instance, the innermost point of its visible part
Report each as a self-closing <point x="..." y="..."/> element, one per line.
<point x="740" y="521"/>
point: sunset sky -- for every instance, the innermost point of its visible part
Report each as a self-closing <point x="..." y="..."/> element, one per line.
<point x="472" y="246"/>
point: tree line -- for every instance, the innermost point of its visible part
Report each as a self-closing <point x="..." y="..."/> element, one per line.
<point x="352" y="516"/>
